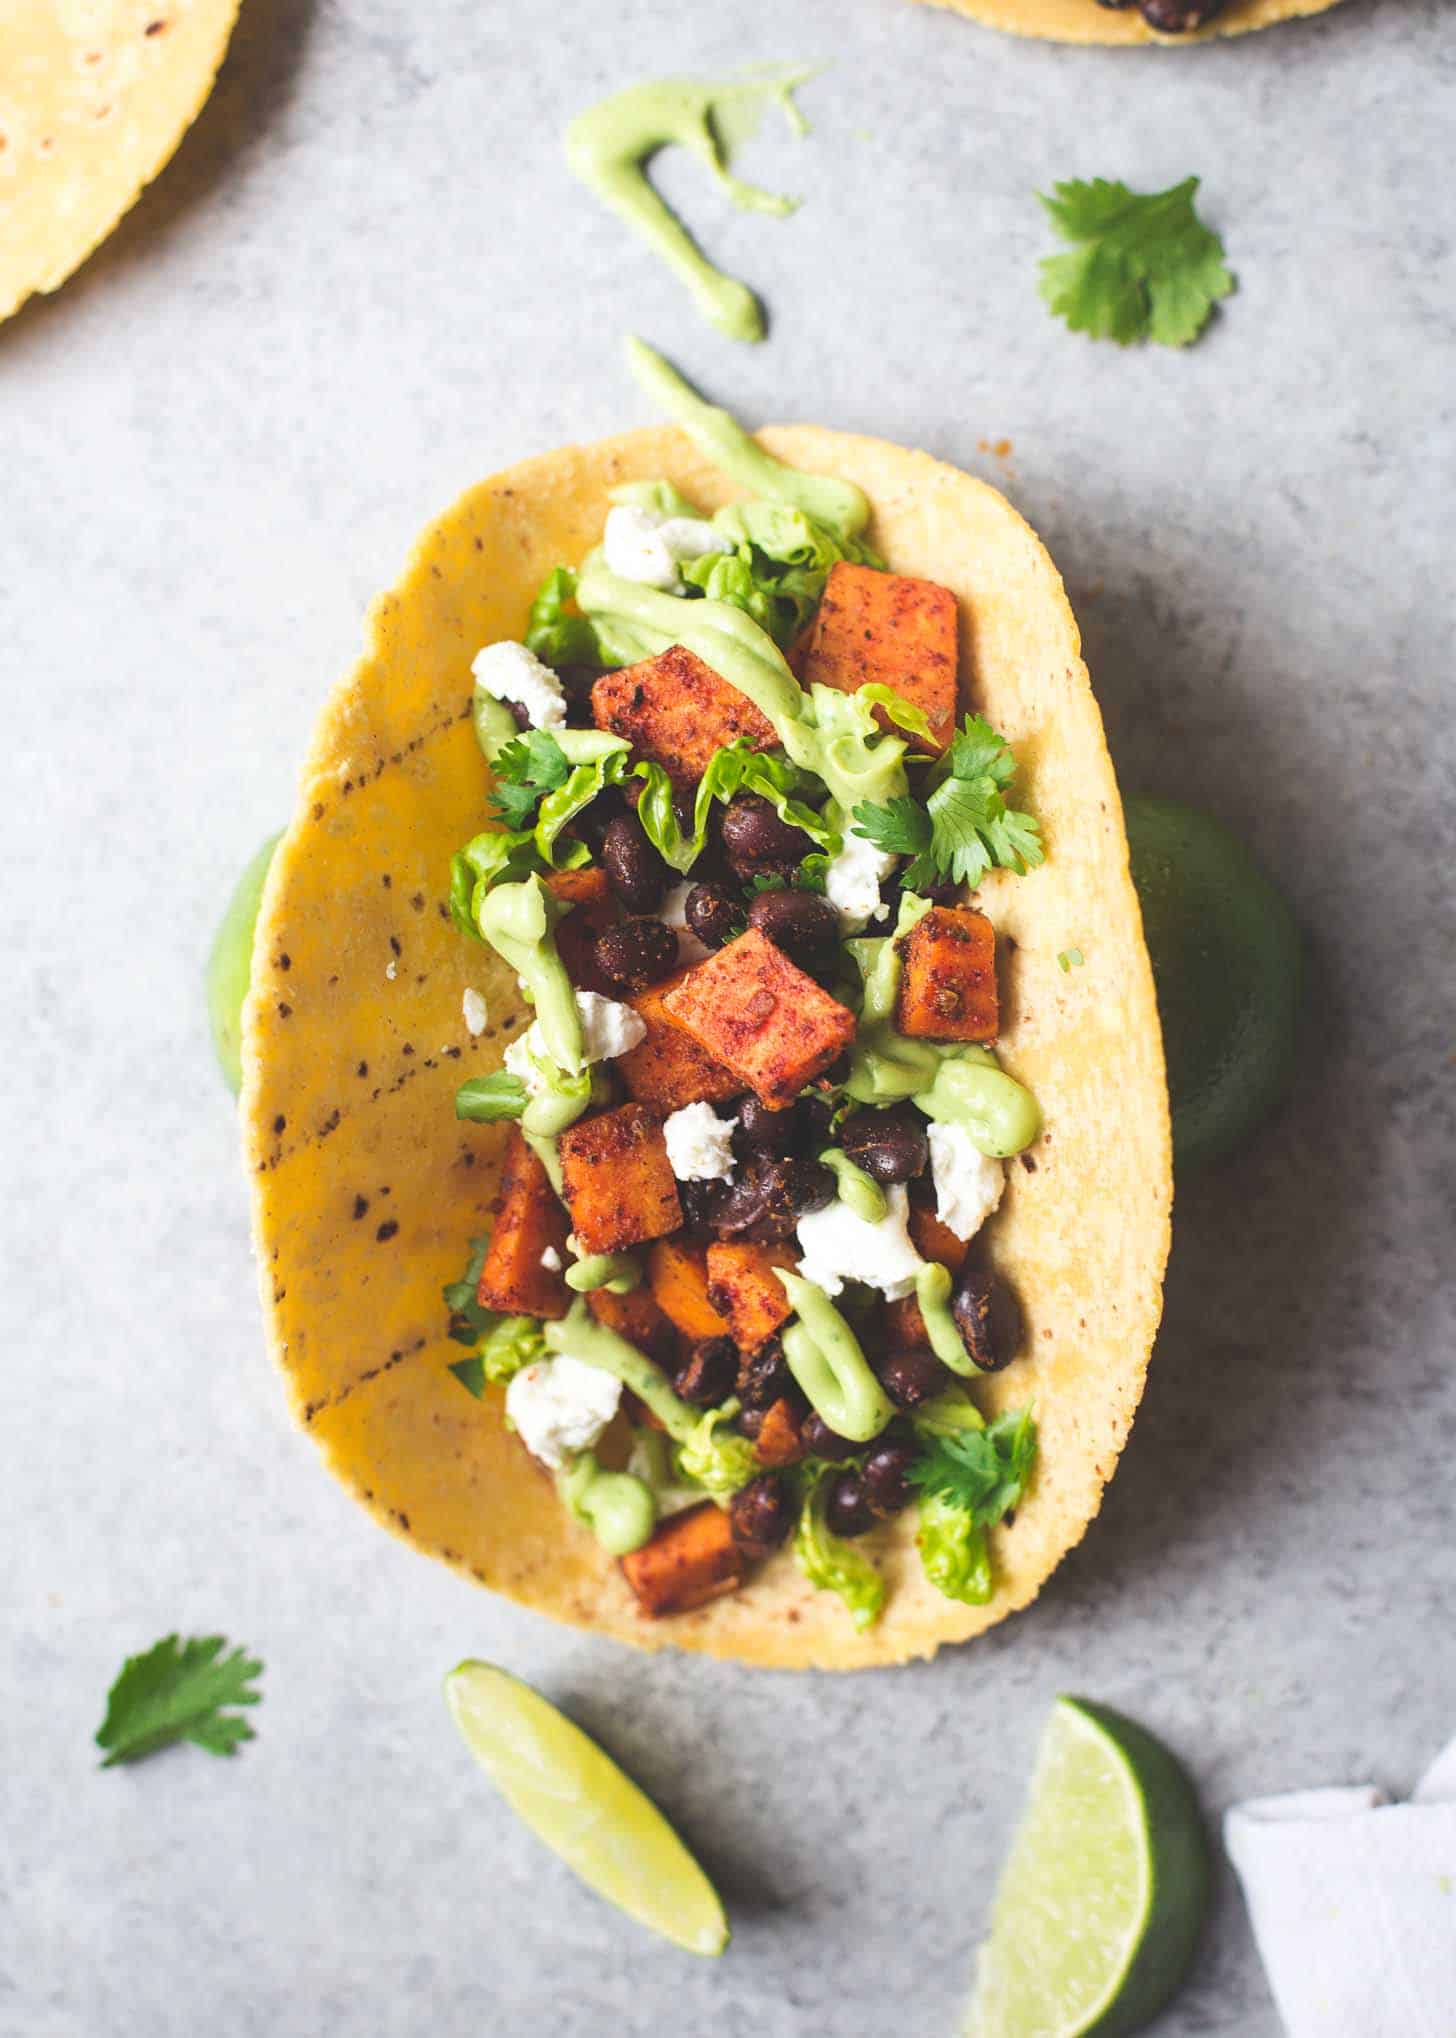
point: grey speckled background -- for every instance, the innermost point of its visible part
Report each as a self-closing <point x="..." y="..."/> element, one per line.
<point x="365" y="281"/>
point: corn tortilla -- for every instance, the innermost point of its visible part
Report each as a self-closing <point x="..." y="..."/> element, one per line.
<point x="94" y="97"/>
<point x="366" y="1188"/>
<point x="1084" y="21"/>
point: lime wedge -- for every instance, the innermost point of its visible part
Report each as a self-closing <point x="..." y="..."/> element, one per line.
<point x="1100" y="1904"/>
<point x="575" y="1798"/>
<point x="230" y="965"/>
<point x="1225" y="952"/>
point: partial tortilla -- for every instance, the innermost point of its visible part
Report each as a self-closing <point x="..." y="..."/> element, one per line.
<point x="95" y="95"/>
<point x="1084" y="21"/>
<point x="366" y="1189"/>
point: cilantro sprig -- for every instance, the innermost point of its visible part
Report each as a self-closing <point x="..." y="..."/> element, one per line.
<point x="963" y="827"/>
<point x="1144" y="265"/>
<point x="983" y="1472"/>
<point x="179" y="1691"/>
<point x="526" y="769"/>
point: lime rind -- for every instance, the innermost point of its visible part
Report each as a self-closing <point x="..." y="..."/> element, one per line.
<point x="574" y="1797"/>
<point x="229" y="967"/>
<point x="1101" y="1900"/>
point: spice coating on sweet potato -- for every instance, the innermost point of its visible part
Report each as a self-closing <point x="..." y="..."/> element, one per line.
<point x="617" y="1179"/>
<point x="948" y="977"/>
<point x="886" y="627"/>
<point x="636" y="1317"/>
<point x="779" y="1440"/>
<point x="677" y="1274"/>
<point x="679" y="712"/>
<point x="690" y="1559"/>
<point x="668" y="1068"/>
<point x="531" y="1222"/>
<point x="761" y="1016"/>
<point x="742" y="1284"/>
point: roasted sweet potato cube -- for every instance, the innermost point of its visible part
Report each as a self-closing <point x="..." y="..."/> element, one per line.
<point x="593" y="907"/>
<point x="679" y="712"/>
<point x="761" y="1016"/>
<point x="690" y="1559"/>
<point x="888" y="628"/>
<point x="934" y="1240"/>
<point x="779" y="1440"/>
<point x="904" y="1324"/>
<point x="617" y="1179"/>
<point x="636" y="1317"/>
<point x="531" y="1222"/>
<point x="742" y="1285"/>
<point x="668" y="1068"/>
<point x="677" y="1274"/>
<point x="948" y="977"/>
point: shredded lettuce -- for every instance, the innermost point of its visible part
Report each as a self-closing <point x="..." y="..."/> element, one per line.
<point x="717" y="1458"/>
<point x="557" y="632"/>
<point x="829" y="1561"/>
<point x="734" y="769"/>
<point x="776" y="571"/>
<point x="954" y="1551"/>
<point x="487" y="1100"/>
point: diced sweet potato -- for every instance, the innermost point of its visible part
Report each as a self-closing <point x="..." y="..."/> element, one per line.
<point x="690" y="1559"/>
<point x="617" y="1179"/>
<point x="637" y="1318"/>
<point x="904" y="1324"/>
<point x="677" y="1274"/>
<point x="779" y="1440"/>
<point x="761" y="1016"/>
<point x="593" y="907"/>
<point x="888" y="628"/>
<point x="679" y="712"/>
<point x="948" y="977"/>
<point x="668" y="1068"/>
<point x="934" y="1240"/>
<point x="742" y="1284"/>
<point x="531" y="1222"/>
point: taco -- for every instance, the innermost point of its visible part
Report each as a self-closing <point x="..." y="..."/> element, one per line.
<point x="93" y="101"/>
<point x="702" y="1080"/>
<point x="1120" y="22"/>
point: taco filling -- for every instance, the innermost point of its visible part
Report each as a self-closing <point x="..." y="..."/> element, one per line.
<point x="735" y="1291"/>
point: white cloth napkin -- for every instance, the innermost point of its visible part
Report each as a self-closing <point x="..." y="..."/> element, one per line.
<point x="1353" y="1901"/>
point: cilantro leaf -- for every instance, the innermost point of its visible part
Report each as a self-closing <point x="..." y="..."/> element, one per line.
<point x="525" y="771"/>
<point x="179" y="1691"/>
<point x="1144" y="267"/>
<point x="982" y="1472"/>
<point x="964" y="827"/>
<point x="468" y="1320"/>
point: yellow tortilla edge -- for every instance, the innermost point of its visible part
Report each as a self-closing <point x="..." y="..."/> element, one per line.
<point x="1086" y="23"/>
<point x="401" y="1431"/>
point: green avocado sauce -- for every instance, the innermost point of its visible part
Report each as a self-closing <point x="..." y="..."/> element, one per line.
<point x="860" y="1192"/>
<point x="609" y="145"/>
<point x="618" y="1508"/>
<point x="579" y="1333"/>
<point x="618" y="1272"/>
<point x="518" y="922"/>
<point x="932" y="1291"/>
<point x="825" y="1358"/>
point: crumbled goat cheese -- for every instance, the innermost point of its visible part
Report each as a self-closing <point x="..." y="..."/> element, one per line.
<point x="968" y="1183"/>
<point x="673" y="912"/>
<point x="475" y="1010"/>
<point x="391" y="969"/>
<point x="838" y="1246"/>
<point x="642" y="545"/>
<point x="699" y="1143"/>
<point x="551" y="1259"/>
<point x="561" y="1406"/>
<point x="852" y="883"/>
<point x="509" y="672"/>
<point x="608" y="1029"/>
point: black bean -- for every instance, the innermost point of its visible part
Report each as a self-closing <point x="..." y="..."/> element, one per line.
<point x="765" y="1202"/>
<point x="912" y="1375"/>
<point x="520" y="715"/>
<point x="754" y="837"/>
<point x="988" y="1318"/>
<point x="803" y="924"/>
<point x="1178" y="17"/>
<point x="760" y="1515"/>
<point x="846" y="1510"/>
<point x="820" y="1441"/>
<point x="764" y="1376"/>
<point x="707" y="1375"/>
<point x="714" y="912"/>
<point x="886" y="1477"/>
<point x="636" y="953"/>
<point x="762" y="1130"/>
<point x="592" y="823"/>
<point x="635" y="871"/>
<point x="889" y="1145"/>
<point x="701" y="1202"/>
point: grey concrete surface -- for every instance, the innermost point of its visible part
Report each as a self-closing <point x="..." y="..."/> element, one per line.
<point x="366" y="280"/>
